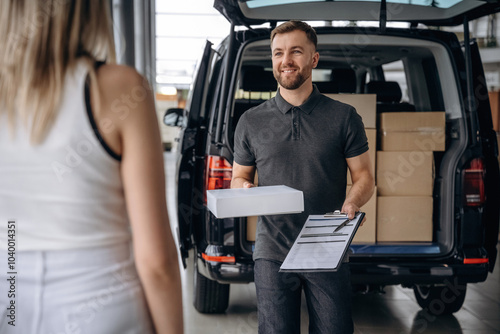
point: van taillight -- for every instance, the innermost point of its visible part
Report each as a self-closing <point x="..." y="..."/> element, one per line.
<point x="474" y="193"/>
<point x="219" y="173"/>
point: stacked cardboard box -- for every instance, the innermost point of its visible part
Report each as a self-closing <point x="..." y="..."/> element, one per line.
<point x="412" y="131"/>
<point x="404" y="218"/>
<point x="405" y="184"/>
<point x="405" y="177"/>
<point x="405" y="174"/>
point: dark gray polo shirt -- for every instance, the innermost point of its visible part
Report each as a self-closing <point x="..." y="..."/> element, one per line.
<point x="301" y="147"/>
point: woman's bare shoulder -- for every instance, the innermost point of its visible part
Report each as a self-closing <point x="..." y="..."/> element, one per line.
<point x="125" y="101"/>
<point x="120" y="78"/>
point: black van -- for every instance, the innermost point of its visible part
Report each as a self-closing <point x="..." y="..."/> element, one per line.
<point x="417" y="68"/>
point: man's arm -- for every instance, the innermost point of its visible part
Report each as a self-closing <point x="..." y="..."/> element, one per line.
<point x="363" y="184"/>
<point x="243" y="176"/>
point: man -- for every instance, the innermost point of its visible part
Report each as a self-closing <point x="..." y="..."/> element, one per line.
<point x="304" y="140"/>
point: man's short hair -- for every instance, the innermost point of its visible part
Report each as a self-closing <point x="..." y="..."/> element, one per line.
<point x="293" y="25"/>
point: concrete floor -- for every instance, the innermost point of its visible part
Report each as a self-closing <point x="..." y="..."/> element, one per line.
<point x="395" y="312"/>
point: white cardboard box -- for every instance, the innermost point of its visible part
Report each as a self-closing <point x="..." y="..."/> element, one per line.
<point x="257" y="201"/>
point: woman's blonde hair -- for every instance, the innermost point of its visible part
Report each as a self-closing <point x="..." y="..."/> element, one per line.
<point x="41" y="40"/>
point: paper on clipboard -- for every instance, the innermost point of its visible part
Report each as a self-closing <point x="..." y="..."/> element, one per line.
<point x="318" y="247"/>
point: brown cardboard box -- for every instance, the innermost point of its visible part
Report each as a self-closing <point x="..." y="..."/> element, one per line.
<point x="405" y="173"/>
<point x="367" y="232"/>
<point x="404" y="219"/>
<point x="251" y="227"/>
<point x="412" y="131"/>
<point x="495" y="109"/>
<point x="365" y="104"/>
<point x="371" y="135"/>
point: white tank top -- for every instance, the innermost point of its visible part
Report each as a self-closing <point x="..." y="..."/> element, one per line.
<point x="66" y="192"/>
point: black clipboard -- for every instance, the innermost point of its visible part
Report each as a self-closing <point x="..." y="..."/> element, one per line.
<point x="319" y="249"/>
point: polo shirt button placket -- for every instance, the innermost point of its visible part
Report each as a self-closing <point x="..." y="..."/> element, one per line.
<point x="295" y="123"/>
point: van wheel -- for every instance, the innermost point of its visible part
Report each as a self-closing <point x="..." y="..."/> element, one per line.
<point x="439" y="300"/>
<point x="209" y="296"/>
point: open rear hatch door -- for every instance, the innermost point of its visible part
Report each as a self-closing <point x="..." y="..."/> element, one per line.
<point x="192" y="150"/>
<point x="429" y="12"/>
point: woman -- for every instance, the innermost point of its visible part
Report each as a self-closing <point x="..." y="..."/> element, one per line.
<point x="81" y="179"/>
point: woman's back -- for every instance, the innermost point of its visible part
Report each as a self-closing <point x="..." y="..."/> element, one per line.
<point x="67" y="191"/>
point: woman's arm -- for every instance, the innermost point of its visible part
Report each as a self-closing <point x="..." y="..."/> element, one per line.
<point x="132" y="130"/>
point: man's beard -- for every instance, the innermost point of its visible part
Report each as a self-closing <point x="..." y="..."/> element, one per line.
<point x="290" y="83"/>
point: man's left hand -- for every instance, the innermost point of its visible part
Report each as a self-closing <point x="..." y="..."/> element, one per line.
<point x="351" y="209"/>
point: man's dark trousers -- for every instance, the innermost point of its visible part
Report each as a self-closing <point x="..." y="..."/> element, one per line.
<point x="328" y="297"/>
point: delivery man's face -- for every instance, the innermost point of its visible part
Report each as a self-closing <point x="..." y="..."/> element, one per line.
<point x="294" y="57"/>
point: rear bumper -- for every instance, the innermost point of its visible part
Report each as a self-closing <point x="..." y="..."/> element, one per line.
<point x="416" y="273"/>
<point x="363" y="272"/>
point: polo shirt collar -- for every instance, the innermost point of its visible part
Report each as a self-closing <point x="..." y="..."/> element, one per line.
<point x="306" y="107"/>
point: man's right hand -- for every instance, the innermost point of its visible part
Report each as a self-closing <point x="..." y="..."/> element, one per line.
<point x="242" y="176"/>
